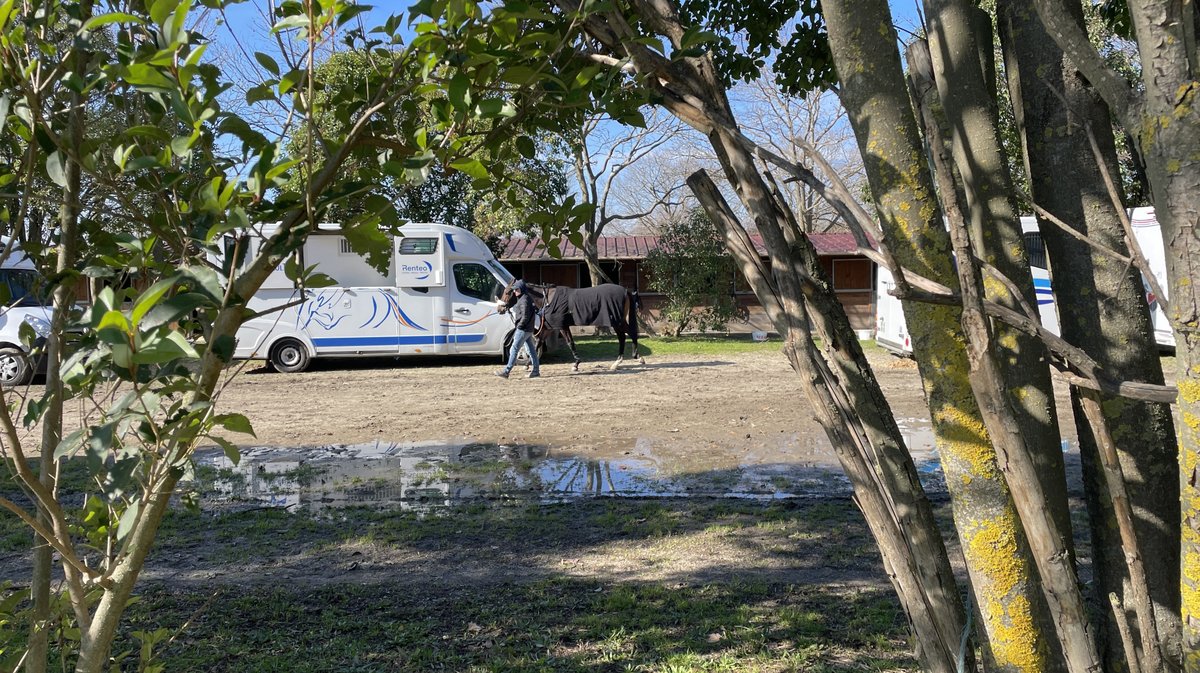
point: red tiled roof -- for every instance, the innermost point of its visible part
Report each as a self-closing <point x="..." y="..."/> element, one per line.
<point x="638" y="247"/>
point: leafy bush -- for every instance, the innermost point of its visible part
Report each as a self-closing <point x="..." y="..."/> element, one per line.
<point x="690" y="265"/>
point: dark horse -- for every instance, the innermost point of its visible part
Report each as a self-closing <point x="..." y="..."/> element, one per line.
<point x="606" y="305"/>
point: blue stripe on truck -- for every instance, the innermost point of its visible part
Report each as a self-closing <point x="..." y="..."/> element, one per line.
<point x="335" y="342"/>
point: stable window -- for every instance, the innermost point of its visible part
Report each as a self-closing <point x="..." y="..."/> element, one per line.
<point x="344" y="247"/>
<point x="410" y="245"/>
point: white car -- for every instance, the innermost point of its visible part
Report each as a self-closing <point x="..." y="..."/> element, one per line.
<point x="21" y="306"/>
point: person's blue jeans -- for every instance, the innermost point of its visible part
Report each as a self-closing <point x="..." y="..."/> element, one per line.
<point x="522" y="338"/>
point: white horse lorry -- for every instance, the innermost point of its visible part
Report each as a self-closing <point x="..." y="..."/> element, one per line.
<point x="892" y="334"/>
<point x="22" y="305"/>
<point x="438" y="297"/>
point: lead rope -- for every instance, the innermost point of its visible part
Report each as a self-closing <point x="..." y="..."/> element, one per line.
<point x="966" y="635"/>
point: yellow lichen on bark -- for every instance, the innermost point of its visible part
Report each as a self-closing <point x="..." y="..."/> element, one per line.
<point x="1185" y="95"/>
<point x="994" y="289"/>
<point x="1189" y="461"/>
<point x="994" y="544"/>
<point x="963" y="438"/>
<point x="1189" y="391"/>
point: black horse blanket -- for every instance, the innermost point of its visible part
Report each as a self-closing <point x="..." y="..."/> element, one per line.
<point x="601" y="306"/>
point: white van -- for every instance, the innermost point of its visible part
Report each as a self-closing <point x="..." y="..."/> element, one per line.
<point x="891" y="332"/>
<point x="1148" y="233"/>
<point x="22" y="305"/>
<point x="439" y="297"/>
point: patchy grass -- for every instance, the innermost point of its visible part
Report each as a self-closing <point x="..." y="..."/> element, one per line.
<point x="600" y="347"/>
<point x="508" y="587"/>
<point x="562" y="626"/>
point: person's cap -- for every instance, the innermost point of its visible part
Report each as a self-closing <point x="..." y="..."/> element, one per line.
<point x="521" y="287"/>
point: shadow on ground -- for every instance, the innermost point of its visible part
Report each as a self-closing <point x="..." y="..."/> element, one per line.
<point x="590" y="584"/>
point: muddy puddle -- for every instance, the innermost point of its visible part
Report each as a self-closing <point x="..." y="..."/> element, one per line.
<point x="426" y="476"/>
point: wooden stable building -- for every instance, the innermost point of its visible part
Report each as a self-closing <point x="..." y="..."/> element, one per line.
<point x="623" y="259"/>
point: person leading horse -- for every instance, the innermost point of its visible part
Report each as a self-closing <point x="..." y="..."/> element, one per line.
<point x="606" y="305"/>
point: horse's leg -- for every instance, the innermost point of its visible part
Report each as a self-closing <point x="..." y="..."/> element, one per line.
<point x="566" y="332"/>
<point x="631" y="311"/>
<point x="620" y="329"/>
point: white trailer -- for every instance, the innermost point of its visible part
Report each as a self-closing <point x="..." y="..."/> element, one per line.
<point x="439" y="297"/>
<point x="22" y="305"/>
<point x="891" y="332"/>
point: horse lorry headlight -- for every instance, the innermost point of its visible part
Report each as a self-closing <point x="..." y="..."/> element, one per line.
<point x="40" y="327"/>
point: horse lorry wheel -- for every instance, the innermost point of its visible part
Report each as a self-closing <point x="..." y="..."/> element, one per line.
<point x="15" y="367"/>
<point x="289" y="355"/>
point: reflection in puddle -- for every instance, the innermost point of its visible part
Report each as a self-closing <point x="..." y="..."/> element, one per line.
<point x="426" y="476"/>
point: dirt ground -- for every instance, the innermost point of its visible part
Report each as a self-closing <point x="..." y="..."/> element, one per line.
<point x="740" y="402"/>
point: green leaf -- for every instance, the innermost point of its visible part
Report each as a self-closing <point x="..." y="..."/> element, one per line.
<point x="471" y="166"/>
<point x="173" y="309"/>
<point x="234" y="423"/>
<point x="260" y="93"/>
<point x="267" y="62"/>
<point x="290" y="80"/>
<point x="287" y="23"/>
<point x="319" y="280"/>
<point x="458" y="91"/>
<point x="351" y="11"/>
<point x="100" y="440"/>
<point x="223" y="347"/>
<point x="495" y="107"/>
<point x="148" y="77"/>
<point x="526" y="147"/>
<point x="128" y="519"/>
<point x="165" y="348"/>
<point x="161" y="9"/>
<point x="6" y="9"/>
<point x="114" y="319"/>
<point x="70" y="444"/>
<point x="114" y="328"/>
<point x="56" y="169"/>
<point x="182" y="145"/>
<point x="238" y="127"/>
<point x="108" y="19"/>
<point x="147" y="131"/>
<point x="149" y="298"/>
<point x="231" y="449"/>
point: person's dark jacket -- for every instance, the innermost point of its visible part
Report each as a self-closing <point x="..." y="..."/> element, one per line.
<point x="524" y="312"/>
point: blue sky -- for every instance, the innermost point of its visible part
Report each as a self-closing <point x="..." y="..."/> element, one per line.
<point x="246" y="20"/>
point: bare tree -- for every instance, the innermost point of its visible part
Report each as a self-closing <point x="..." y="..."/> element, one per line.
<point x="604" y="154"/>
<point x="795" y="126"/>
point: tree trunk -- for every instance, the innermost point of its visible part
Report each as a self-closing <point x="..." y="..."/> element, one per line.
<point x="1164" y="121"/>
<point x="1055" y="564"/>
<point x="895" y="510"/>
<point x="1173" y="166"/>
<point x="996" y="233"/>
<point x="1101" y="309"/>
<point x="1014" y="624"/>
<point x="591" y="255"/>
<point x="51" y="420"/>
